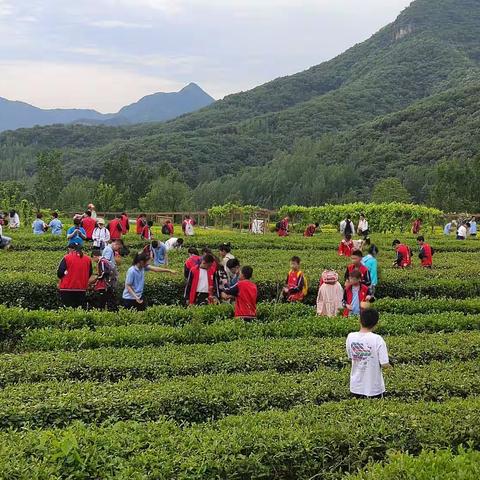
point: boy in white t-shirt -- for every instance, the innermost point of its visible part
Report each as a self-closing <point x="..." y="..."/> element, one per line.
<point x="368" y="353"/>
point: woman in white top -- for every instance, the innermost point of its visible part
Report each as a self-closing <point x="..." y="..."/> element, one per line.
<point x="101" y="235"/>
<point x="13" y="220"/>
<point x="362" y="226"/>
<point x="462" y="232"/>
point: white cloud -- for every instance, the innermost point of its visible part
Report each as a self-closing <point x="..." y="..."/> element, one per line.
<point x="6" y="8"/>
<point x="78" y="85"/>
<point x="118" y="24"/>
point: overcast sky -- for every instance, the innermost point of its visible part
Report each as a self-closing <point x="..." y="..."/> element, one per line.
<point x="104" y="54"/>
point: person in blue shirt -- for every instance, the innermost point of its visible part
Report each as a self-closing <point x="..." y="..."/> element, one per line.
<point x="370" y="261"/>
<point x="132" y="296"/>
<point x="55" y="225"/>
<point x="158" y="253"/>
<point x="473" y="227"/>
<point x="76" y="234"/>
<point x="39" y="226"/>
<point x="447" y="229"/>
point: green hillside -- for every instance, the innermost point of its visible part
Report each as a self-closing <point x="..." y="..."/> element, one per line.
<point x="432" y="47"/>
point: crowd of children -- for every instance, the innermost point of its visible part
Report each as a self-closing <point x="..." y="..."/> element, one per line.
<point x="214" y="278"/>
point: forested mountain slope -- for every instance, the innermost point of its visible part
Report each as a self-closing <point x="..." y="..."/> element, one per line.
<point x="432" y="47"/>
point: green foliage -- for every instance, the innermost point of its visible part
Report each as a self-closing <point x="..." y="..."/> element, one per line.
<point x="50" y="178"/>
<point x="326" y="440"/>
<point x="444" y="464"/>
<point x="390" y="190"/>
<point x="108" y="198"/>
<point x="393" y="106"/>
<point x="167" y="194"/>
<point x="77" y="194"/>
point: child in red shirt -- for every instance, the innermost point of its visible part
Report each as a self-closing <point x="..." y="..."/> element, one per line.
<point x="295" y="288"/>
<point x="346" y="246"/>
<point x="245" y="294"/>
<point x="147" y="231"/>
<point x="356" y="264"/>
<point x="426" y="252"/>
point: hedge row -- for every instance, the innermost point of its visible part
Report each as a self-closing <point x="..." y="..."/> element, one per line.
<point x="229" y="330"/>
<point x="35" y="292"/>
<point x="281" y="355"/>
<point x="15" y="322"/>
<point x="198" y="399"/>
<point x="443" y="464"/>
<point x="322" y="441"/>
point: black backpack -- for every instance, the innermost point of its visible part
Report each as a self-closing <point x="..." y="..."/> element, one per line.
<point x="165" y="230"/>
<point x="278" y="226"/>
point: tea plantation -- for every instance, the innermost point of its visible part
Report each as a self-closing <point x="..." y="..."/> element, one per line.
<point x="176" y="393"/>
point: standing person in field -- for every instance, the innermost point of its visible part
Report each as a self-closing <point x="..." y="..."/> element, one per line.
<point x="363" y="228"/>
<point x="88" y="224"/>
<point x="404" y="255"/>
<point x="245" y="294"/>
<point x="55" y="225"/>
<point x="330" y="295"/>
<point x="193" y="259"/>
<point x="462" y="231"/>
<point x="91" y="207"/>
<point x="473" y="227"/>
<point x="347" y="227"/>
<point x="283" y="227"/>
<point x="13" y="220"/>
<point x="187" y="226"/>
<point x="296" y="287"/>
<point x="416" y="226"/>
<point x="103" y="283"/>
<point x="225" y="251"/>
<point x="355" y="294"/>
<point x="356" y="264"/>
<point x="76" y="234"/>
<point x="140" y="223"/>
<point x="100" y="235"/>
<point x="125" y="222"/>
<point x="369" y="355"/>
<point x="74" y="272"/>
<point x="115" y="228"/>
<point x="202" y="283"/>
<point x="132" y="296"/>
<point x="370" y="261"/>
<point x="311" y="230"/>
<point x="346" y="246"/>
<point x="39" y="227"/>
<point x="147" y="233"/>
<point x="426" y="252"/>
<point x="234" y="266"/>
<point x="448" y="228"/>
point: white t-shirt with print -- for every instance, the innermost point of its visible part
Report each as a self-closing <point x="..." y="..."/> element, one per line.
<point x="368" y="352"/>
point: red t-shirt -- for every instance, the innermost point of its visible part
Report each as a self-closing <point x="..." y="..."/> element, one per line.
<point x="89" y="223"/>
<point x="116" y="229"/>
<point x="246" y="293"/>
<point x="141" y="221"/>
<point x="76" y="272"/>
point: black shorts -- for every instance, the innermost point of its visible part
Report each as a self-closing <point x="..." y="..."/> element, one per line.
<point x="365" y="397"/>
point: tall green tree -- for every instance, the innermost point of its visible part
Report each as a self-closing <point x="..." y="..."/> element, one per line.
<point x="50" y="179"/>
<point x="167" y="194"/>
<point x="108" y="198"/>
<point x="390" y="190"/>
<point x="77" y="194"/>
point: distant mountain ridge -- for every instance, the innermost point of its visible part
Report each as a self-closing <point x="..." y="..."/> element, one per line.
<point x="158" y="107"/>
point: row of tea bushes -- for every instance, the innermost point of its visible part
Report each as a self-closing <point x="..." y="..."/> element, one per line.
<point x="247" y="355"/>
<point x="324" y="441"/>
<point x="205" y="397"/>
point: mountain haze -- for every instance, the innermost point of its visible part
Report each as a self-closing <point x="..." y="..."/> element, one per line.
<point x="158" y="107"/>
<point x="420" y="70"/>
